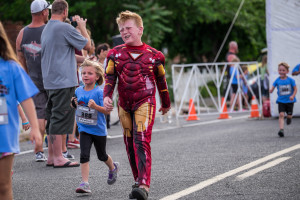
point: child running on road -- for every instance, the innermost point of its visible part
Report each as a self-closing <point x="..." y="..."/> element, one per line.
<point x="91" y="122"/>
<point x="286" y="90"/>
<point x="15" y="86"/>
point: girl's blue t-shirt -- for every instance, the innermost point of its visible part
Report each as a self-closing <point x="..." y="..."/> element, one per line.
<point x="15" y="86"/>
<point x="285" y="88"/>
<point x="83" y="98"/>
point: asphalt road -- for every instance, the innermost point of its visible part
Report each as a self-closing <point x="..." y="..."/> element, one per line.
<point x="232" y="159"/>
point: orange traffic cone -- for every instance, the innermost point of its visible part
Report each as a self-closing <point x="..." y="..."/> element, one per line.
<point x="254" y="108"/>
<point x="224" y="114"/>
<point x="192" y="112"/>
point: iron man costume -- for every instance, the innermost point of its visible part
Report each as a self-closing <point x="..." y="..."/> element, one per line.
<point x="138" y="69"/>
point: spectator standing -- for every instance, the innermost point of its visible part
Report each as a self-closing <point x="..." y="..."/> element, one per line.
<point x="232" y="51"/>
<point x="286" y="91"/>
<point x="230" y="56"/>
<point x="138" y="68"/>
<point x="16" y="86"/>
<point x="91" y="123"/>
<point x="28" y="46"/>
<point x="59" y="41"/>
<point x="234" y="71"/>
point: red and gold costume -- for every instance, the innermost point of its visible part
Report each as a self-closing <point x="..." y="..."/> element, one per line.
<point x="138" y="70"/>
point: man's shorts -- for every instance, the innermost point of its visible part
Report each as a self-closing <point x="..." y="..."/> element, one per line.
<point x="234" y="88"/>
<point x="59" y="114"/>
<point x="286" y="107"/>
<point x="40" y="102"/>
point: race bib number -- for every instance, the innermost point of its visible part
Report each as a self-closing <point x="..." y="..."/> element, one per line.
<point x="3" y="111"/>
<point x="86" y="115"/>
<point x="285" y="90"/>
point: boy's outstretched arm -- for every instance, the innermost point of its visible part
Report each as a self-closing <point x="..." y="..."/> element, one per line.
<point x="30" y="112"/>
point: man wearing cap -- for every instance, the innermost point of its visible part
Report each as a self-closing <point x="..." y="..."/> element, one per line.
<point x="59" y="41"/>
<point x="28" y="47"/>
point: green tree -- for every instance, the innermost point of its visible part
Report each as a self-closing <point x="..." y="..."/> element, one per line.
<point x="193" y="29"/>
<point x="155" y="20"/>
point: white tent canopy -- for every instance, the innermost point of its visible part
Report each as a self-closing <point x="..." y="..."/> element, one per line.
<point x="283" y="39"/>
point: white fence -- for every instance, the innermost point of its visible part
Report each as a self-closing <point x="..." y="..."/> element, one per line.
<point x="188" y="79"/>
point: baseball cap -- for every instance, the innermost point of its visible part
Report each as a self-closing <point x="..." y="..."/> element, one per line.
<point x="39" y="5"/>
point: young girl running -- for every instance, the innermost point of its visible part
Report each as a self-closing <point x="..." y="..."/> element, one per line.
<point x="15" y="86"/>
<point x="91" y="123"/>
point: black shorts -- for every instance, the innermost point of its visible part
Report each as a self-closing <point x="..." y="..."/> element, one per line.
<point x="234" y="88"/>
<point x="286" y="107"/>
<point x="40" y="102"/>
<point x="86" y="141"/>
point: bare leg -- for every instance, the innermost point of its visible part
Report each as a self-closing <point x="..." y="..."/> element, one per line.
<point x="110" y="163"/>
<point x="6" y="165"/>
<point x="64" y="145"/>
<point x="58" y="158"/>
<point x="72" y="136"/>
<point x="42" y="125"/>
<point x="281" y="120"/>
<point x="231" y="101"/>
<point x="50" y="150"/>
<point x="85" y="170"/>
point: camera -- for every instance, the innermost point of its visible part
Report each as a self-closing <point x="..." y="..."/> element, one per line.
<point x="73" y="23"/>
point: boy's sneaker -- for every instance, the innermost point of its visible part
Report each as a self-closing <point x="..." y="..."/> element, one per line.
<point x="40" y="157"/>
<point x="281" y="133"/>
<point x="135" y="185"/>
<point x="288" y="121"/>
<point x="112" y="175"/>
<point x="140" y="193"/>
<point x="68" y="156"/>
<point x="83" y="188"/>
<point x="73" y="144"/>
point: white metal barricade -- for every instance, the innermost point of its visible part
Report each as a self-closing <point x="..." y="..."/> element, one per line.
<point x="188" y="78"/>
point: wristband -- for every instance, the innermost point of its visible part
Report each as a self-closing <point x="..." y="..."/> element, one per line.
<point x="25" y="123"/>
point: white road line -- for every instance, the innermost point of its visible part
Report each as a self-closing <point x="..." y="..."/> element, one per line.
<point x="220" y="177"/>
<point x="261" y="168"/>
<point x="114" y="136"/>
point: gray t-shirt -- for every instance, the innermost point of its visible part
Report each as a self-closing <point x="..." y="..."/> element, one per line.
<point x="59" y="67"/>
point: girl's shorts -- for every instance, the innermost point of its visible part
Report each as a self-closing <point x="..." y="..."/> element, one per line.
<point x="2" y="155"/>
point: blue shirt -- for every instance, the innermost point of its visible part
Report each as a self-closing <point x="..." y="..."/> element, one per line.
<point x="234" y="79"/>
<point x="296" y="69"/>
<point x="285" y="88"/>
<point x="83" y="98"/>
<point x="16" y="86"/>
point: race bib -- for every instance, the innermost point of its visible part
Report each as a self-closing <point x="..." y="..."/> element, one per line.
<point x="3" y="111"/>
<point x="285" y="90"/>
<point x="86" y="115"/>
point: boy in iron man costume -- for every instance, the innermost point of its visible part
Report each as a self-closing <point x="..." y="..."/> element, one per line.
<point x="138" y="68"/>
